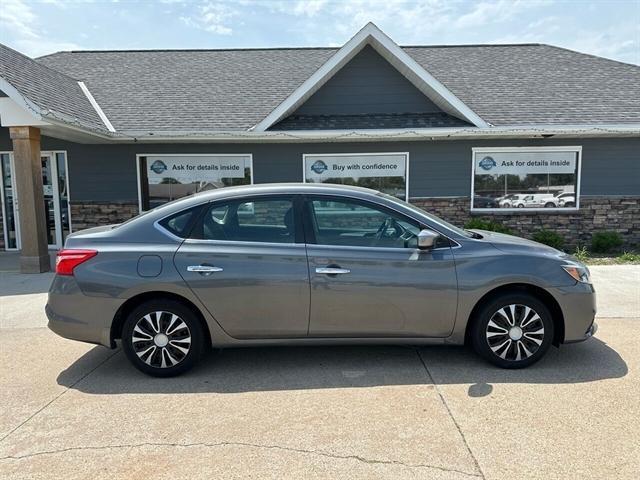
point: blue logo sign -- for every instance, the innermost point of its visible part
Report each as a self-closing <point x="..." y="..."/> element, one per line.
<point x="319" y="166"/>
<point x="158" y="167"/>
<point x="487" y="163"/>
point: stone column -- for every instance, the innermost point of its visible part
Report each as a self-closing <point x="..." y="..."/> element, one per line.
<point x="34" y="255"/>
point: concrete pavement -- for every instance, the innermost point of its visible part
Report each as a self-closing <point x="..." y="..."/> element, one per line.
<point x="71" y="410"/>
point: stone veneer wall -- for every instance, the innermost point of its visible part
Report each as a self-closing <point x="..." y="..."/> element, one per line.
<point x="93" y="214"/>
<point x="620" y="214"/>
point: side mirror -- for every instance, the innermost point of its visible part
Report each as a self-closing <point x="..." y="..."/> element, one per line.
<point x="427" y="239"/>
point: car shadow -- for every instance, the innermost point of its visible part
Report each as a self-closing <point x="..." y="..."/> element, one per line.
<point x="297" y="368"/>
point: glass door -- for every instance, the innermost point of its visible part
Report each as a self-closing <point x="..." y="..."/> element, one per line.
<point x="49" y="189"/>
<point x="9" y="205"/>
<point x="56" y="200"/>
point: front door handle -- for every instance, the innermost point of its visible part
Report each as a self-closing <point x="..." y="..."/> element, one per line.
<point x="205" y="269"/>
<point x="332" y="270"/>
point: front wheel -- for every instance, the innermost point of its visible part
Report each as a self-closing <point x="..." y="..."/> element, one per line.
<point x="512" y="331"/>
<point x="162" y="338"/>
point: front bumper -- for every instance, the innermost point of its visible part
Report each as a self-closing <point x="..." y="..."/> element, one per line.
<point x="578" y="305"/>
<point x="591" y="331"/>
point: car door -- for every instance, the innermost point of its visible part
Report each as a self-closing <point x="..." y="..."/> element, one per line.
<point x="246" y="262"/>
<point x="369" y="279"/>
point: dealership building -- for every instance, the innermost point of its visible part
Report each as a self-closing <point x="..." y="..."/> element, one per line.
<point x="531" y="136"/>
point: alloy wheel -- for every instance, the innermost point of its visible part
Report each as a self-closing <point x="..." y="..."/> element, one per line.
<point x="161" y="339"/>
<point x="515" y="332"/>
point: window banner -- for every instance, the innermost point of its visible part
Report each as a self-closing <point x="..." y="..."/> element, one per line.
<point x="320" y="168"/>
<point x="195" y="169"/>
<point x="524" y="163"/>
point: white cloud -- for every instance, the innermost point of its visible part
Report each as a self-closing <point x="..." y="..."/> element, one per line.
<point x="18" y="18"/>
<point x="493" y="12"/>
<point x="212" y="17"/>
<point x="22" y="28"/>
<point x="621" y="42"/>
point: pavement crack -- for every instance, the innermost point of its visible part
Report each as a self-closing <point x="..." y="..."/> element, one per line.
<point x="321" y="453"/>
<point x="446" y="406"/>
<point x="59" y="395"/>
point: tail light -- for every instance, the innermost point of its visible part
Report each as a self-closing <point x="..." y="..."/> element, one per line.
<point x="68" y="259"/>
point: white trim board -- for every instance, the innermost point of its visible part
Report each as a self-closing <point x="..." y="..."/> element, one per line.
<point x="96" y="107"/>
<point x="398" y="58"/>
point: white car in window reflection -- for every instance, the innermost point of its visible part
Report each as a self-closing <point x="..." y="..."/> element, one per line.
<point x="512" y="200"/>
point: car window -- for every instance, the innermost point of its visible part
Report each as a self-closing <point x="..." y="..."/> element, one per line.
<point x="351" y="223"/>
<point x="180" y="223"/>
<point x="260" y="220"/>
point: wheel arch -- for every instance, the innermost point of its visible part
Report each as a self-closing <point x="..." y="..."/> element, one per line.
<point x="133" y="302"/>
<point x="538" y="292"/>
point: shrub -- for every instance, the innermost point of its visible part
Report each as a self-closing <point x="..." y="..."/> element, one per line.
<point x="581" y="254"/>
<point x="629" y="257"/>
<point x="605" y="242"/>
<point x="490" y="225"/>
<point x="550" y="238"/>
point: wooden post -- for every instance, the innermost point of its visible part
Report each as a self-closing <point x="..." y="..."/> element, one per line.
<point x="34" y="255"/>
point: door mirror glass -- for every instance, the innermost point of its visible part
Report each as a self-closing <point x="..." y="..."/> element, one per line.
<point x="427" y="239"/>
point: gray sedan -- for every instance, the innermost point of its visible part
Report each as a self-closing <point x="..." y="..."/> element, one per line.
<point x="304" y="264"/>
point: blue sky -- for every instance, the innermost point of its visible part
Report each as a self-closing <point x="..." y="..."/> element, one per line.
<point x="609" y="28"/>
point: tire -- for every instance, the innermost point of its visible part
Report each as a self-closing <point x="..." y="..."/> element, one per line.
<point x="499" y="339"/>
<point x="162" y="338"/>
<point x="549" y="205"/>
<point x="569" y="204"/>
<point x="520" y="205"/>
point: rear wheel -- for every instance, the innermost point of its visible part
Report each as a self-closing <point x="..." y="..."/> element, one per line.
<point x="162" y="338"/>
<point x="549" y="205"/>
<point x="512" y="331"/>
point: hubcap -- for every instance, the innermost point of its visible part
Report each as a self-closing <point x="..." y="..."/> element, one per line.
<point x="515" y="332"/>
<point x="161" y="339"/>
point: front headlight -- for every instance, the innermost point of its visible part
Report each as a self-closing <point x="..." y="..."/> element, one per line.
<point x="579" y="274"/>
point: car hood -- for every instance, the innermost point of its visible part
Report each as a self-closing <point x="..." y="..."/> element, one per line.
<point x="513" y="244"/>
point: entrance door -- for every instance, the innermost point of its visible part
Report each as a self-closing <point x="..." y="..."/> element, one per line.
<point x="56" y="201"/>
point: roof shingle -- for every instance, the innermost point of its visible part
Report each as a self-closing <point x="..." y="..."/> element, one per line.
<point x="47" y="88"/>
<point x="209" y="90"/>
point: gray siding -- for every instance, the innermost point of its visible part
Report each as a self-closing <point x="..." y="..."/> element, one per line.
<point x="610" y="166"/>
<point x="367" y="84"/>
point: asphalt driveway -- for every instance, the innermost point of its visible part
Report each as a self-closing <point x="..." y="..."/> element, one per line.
<point x="70" y="410"/>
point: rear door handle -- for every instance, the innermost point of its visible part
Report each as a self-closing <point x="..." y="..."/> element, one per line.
<point x="206" y="269"/>
<point x="332" y="270"/>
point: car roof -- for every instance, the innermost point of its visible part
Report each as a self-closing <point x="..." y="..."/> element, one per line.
<point x="265" y="189"/>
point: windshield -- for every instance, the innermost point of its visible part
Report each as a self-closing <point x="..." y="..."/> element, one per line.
<point x="460" y="231"/>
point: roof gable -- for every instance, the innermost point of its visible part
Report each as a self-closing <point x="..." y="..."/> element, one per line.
<point x="368" y="84"/>
<point x="372" y="36"/>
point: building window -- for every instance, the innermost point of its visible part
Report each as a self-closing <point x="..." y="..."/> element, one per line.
<point x="525" y="178"/>
<point x="168" y="177"/>
<point x="386" y="172"/>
